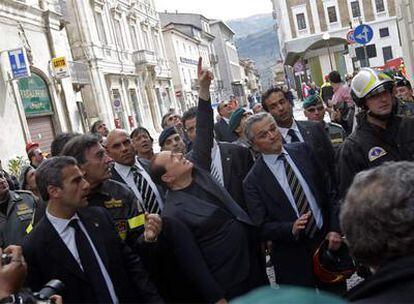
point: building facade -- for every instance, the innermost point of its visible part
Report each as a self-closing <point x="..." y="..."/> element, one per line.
<point x="313" y="35"/>
<point x="37" y="107"/>
<point x="250" y="80"/>
<point x="405" y="13"/>
<point x="229" y="67"/>
<point x="121" y="42"/>
<point x="197" y="26"/>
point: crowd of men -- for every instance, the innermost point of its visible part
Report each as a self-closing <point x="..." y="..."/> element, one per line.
<point x="194" y="223"/>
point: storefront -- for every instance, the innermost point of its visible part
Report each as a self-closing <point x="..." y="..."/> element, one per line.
<point x="38" y="110"/>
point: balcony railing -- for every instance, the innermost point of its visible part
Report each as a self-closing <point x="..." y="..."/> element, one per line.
<point x="145" y="58"/>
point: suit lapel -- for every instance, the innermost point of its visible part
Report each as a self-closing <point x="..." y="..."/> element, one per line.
<point x="93" y="229"/>
<point x="58" y="250"/>
<point x="273" y="188"/>
<point x="304" y="131"/>
<point x="205" y="181"/>
<point x="226" y="161"/>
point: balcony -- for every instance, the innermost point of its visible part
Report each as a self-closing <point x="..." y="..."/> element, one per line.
<point x="213" y="59"/>
<point x="144" y="58"/>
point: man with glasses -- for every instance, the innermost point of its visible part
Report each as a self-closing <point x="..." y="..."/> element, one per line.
<point x="34" y="154"/>
<point x="314" y="110"/>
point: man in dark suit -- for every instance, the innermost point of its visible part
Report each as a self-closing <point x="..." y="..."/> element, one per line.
<point x="221" y="128"/>
<point x="133" y="172"/>
<point x="221" y="229"/>
<point x="313" y="133"/>
<point x="287" y="199"/>
<point x="80" y="246"/>
<point x="230" y="163"/>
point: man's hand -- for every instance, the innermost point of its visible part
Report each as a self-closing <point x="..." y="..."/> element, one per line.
<point x="336" y="115"/>
<point x="300" y="223"/>
<point x="335" y="240"/>
<point x="152" y="227"/>
<point x="13" y="274"/>
<point x="204" y="80"/>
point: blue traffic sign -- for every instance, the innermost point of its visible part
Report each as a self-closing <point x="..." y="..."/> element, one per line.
<point x="363" y="34"/>
<point x="18" y="64"/>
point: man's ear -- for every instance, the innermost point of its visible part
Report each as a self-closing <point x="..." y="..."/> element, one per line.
<point x="167" y="178"/>
<point x="53" y="191"/>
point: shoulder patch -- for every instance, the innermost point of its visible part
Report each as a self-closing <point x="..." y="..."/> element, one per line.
<point x="375" y="153"/>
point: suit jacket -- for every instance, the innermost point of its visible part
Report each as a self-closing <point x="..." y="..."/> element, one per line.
<point x="223" y="132"/>
<point x="236" y="161"/>
<point x="49" y="258"/>
<point x="270" y="209"/>
<point x="314" y="135"/>
<point x="146" y="165"/>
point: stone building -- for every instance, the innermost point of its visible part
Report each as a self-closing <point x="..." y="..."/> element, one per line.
<point x="313" y="35"/>
<point x="121" y="42"/>
<point x="405" y="12"/>
<point x="37" y="107"/>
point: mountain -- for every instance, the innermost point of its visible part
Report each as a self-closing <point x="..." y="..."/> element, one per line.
<point x="256" y="39"/>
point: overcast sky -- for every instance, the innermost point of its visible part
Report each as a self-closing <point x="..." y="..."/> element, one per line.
<point x="216" y="9"/>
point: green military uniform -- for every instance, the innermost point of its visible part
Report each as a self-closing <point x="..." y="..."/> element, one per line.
<point x="17" y="222"/>
<point x="125" y="211"/>
<point x="336" y="133"/>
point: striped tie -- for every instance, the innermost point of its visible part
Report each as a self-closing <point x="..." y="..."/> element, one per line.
<point x="215" y="173"/>
<point x="299" y="197"/>
<point x="147" y="194"/>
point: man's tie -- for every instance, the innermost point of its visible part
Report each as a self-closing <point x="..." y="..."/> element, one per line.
<point x="147" y="194"/>
<point x="293" y="136"/>
<point x="299" y="197"/>
<point x="90" y="265"/>
<point x="215" y="173"/>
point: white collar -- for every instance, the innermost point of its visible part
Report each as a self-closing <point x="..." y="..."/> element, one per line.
<point x="284" y="131"/>
<point x="60" y="224"/>
<point x="272" y="158"/>
<point x="125" y="170"/>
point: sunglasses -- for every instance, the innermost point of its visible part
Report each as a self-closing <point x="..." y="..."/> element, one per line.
<point x="312" y="110"/>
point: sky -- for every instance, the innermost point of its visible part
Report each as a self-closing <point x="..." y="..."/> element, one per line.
<point x="216" y="9"/>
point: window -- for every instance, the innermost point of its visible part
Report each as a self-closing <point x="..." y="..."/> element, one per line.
<point x="300" y="18"/>
<point x="332" y="14"/>
<point x="384" y="32"/>
<point x="184" y="78"/>
<point x="119" y="33"/>
<point x="356" y="11"/>
<point x="379" y="4"/>
<point x="134" y="37"/>
<point x="360" y="54"/>
<point x="100" y="28"/>
<point x="387" y="53"/>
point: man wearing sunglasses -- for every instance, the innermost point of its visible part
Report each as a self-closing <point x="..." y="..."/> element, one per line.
<point x="314" y="110"/>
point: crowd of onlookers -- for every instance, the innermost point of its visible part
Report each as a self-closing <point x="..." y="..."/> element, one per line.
<point x="253" y="198"/>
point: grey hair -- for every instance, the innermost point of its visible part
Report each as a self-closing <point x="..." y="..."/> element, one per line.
<point x="248" y="133"/>
<point x="49" y="173"/>
<point x="378" y="214"/>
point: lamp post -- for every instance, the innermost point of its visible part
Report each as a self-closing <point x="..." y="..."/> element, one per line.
<point x="326" y="37"/>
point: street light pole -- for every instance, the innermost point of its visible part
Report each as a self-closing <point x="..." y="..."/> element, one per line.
<point x="326" y="37"/>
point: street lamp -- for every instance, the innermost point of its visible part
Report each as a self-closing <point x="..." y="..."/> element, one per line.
<point x="326" y="37"/>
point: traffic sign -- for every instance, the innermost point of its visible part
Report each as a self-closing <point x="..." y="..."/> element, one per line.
<point x="363" y="34"/>
<point x="60" y="67"/>
<point x="18" y="63"/>
<point x="350" y="37"/>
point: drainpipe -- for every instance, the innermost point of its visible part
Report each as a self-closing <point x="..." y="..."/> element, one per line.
<point x="61" y="94"/>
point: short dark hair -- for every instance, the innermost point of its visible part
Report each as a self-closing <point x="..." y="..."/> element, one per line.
<point x="78" y="146"/>
<point x="164" y="118"/>
<point x="156" y="173"/>
<point x="95" y="125"/>
<point x="59" y="142"/>
<point x="267" y="94"/>
<point x="189" y="114"/>
<point x="139" y="130"/>
<point x="377" y="216"/>
<point x="49" y="173"/>
<point x="335" y="77"/>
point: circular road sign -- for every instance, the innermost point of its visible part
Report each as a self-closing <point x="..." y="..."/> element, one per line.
<point x="350" y="37"/>
<point x="363" y="34"/>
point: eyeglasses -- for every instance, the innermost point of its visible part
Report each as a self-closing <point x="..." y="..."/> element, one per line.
<point x="312" y="110"/>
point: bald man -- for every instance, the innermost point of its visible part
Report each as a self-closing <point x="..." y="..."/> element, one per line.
<point x="132" y="171"/>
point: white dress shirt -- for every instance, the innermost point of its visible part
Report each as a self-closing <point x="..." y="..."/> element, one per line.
<point x="216" y="161"/>
<point x="286" y="136"/>
<point x="277" y="167"/>
<point x="67" y="234"/>
<point x="128" y="176"/>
